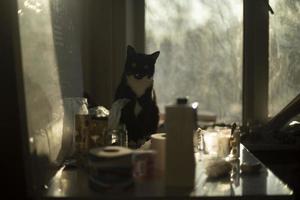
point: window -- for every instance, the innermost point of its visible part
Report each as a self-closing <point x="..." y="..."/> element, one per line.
<point x="284" y="52"/>
<point x="201" y="53"/>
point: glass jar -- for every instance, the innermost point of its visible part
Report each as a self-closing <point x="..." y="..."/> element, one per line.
<point x="97" y="128"/>
<point x="117" y="136"/>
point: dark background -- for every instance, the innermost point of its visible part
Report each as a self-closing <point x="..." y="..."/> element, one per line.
<point x="12" y="168"/>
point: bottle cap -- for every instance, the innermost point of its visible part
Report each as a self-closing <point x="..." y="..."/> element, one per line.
<point x="182" y="100"/>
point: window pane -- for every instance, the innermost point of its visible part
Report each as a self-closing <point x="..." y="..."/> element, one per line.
<point x="201" y="53"/>
<point x="284" y="74"/>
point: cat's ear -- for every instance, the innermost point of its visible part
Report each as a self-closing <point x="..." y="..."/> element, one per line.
<point x="155" y="55"/>
<point x="130" y="51"/>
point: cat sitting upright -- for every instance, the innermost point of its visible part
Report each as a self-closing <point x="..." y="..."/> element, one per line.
<point x="140" y="114"/>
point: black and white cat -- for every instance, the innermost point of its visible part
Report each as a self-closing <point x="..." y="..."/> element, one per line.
<point x="140" y="114"/>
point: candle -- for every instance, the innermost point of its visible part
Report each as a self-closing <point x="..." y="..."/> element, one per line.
<point x="224" y="143"/>
<point x="217" y="142"/>
<point x="211" y="143"/>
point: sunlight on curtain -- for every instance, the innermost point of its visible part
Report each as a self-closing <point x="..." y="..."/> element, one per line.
<point x="284" y="72"/>
<point x="201" y="53"/>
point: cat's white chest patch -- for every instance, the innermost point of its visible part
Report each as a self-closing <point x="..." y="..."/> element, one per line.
<point x="137" y="109"/>
<point x="139" y="86"/>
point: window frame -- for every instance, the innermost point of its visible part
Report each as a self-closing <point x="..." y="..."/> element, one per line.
<point x="255" y="62"/>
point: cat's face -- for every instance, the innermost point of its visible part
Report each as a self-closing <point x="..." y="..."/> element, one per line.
<point x="140" y="65"/>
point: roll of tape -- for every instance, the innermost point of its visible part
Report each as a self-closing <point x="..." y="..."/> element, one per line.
<point x="110" y="167"/>
<point x="109" y="152"/>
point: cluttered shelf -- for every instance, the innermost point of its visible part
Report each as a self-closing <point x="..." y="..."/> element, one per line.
<point x="245" y="181"/>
